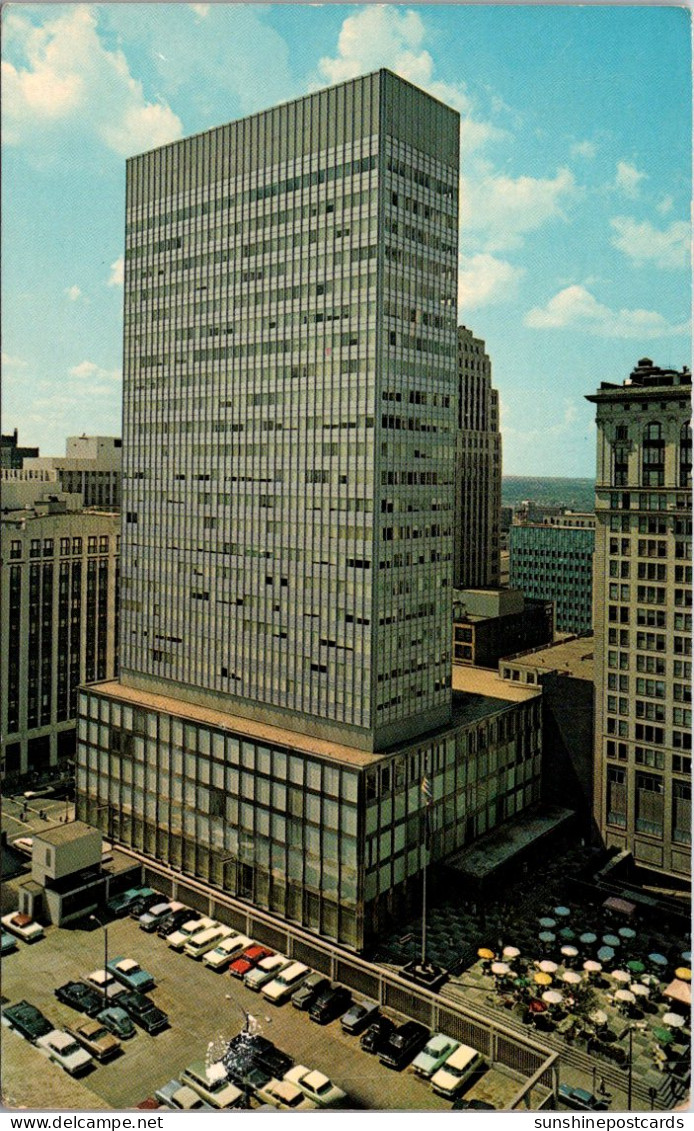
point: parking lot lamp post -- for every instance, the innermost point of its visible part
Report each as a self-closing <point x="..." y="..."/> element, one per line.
<point x="105" y="930"/>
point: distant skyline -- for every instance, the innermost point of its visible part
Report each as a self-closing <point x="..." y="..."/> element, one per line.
<point x="575" y="184"/>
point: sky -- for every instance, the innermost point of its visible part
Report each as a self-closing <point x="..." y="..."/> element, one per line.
<point x="574" y="185"/>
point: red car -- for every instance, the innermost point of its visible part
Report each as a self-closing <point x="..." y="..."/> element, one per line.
<point x="249" y="958"/>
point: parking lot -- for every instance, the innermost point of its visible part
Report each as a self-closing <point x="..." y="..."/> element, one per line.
<point x="203" y="1007"/>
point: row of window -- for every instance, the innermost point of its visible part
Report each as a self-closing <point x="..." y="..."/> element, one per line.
<point x="46" y="547"/>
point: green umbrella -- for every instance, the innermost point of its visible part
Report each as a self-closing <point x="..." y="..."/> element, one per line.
<point x="663" y="1036"/>
<point x="567" y="933"/>
<point x="636" y="967"/>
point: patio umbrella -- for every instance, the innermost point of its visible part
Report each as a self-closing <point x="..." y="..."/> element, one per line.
<point x="635" y="966"/>
<point x="639" y="990"/>
<point x="547" y="967"/>
<point x="626" y="933"/>
<point x="626" y="996"/>
<point x="511" y="952"/>
<point x="588" y="938"/>
<point x="657" y="959"/>
<point x="683" y="973"/>
<point x="606" y="953"/>
<point x="592" y="967"/>
<point x="610" y="940"/>
<point x="562" y="912"/>
<point x="499" y="968"/>
<point x="686" y="956"/>
<point x="621" y="976"/>
<point x="650" y="980"/>
<point x="569" y="951"/>
<point x="573" y="978"/>
<point x="547" y="936"/>
<point x="542" y="979"/>
<point x="673" y="1020"/>
<point x="598" y="1017"/>
<point x="679" y="991"/>
<point x="663" y="1036"/>
<point x="486" y="953"/>
<point x="552" y="997"/>
<point x="521" y="982"/>
<point x="567" y="934"/>
<point x="546" y="923"/>
<point x="537" y="1006"/>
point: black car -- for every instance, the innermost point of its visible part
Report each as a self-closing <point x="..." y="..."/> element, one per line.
<point x="80" y="997"/>
<point x="269" y="1056"/>
<point x="313" y="987"/>
<point x="240" y="1061"/>
<point x="143" y="1012"/>
<point x="171" y="922"/>
<point x="144" y="902"/>
<point x="359" y="1017"/>
<point x="375" y="1037"/>
<point x="28" y="1020"/>
<point x="462" y="1104"/>
<point x="330" y="1004"/>
<point x="403" y="1045"/>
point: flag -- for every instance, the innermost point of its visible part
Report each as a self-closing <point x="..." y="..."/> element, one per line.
<point x="426" y="790"/>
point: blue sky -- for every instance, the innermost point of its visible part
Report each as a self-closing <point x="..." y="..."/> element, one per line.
<point x="575" y="184"/>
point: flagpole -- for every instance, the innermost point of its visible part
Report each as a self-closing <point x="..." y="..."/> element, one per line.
<point x="424" y="906"/>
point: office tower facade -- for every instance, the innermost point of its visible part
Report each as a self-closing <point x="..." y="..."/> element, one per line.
<point x="90" y="467"/>
<point x="11" y="455"/>
<point x="553" y="561"/>
<point x="643" y="617"/>
<point x="58" y="627"/>
<point x="477" y="546"/>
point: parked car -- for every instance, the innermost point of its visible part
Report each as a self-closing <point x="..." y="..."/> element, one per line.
<point x="8" y="943"/>
<point x="377" y="1034"/>
<point x="248" y="959"/>
<point x="305" y="996"/>
<point x="178" y="939"/>
<point x="120" y="905"/>
<point x="179" y="1097"/>
<point x="212" y="1084"/>
<point x="223" y="954"/>
<point x="241" y="1063"/>
<point x="359" y="1016"/>
<point x="172" y="921"/>
<point x="287" y="981"/>
<point x="403" y="1045"/>
<point x="131" y="974"/>
<point x="78" y="996"/>
<point x="200" y="943"/>
<point x="23" y="926"/>
<point x="144" y="1012"/>
<point x="461" y="1104"/>
<point x="105" y="983"/>
<point x="316" y="1086"/>
<point x="95" y="1038"/>
<point x="150" y="920"/>
<point x="456" y="1071"/>
<point x="268" y="1056"/>
<point x="436" y="1051"/>
<point x="144" y="902"/>
<point x="28" y="1020"/>
<point x="284" y="1096"/>
<point x="65" y="1051"/>
<point x="117" y="1021"/>
<point x="265" y="971"/>
<point x="330" y="1004"/>
<point x="580" y="1099"/>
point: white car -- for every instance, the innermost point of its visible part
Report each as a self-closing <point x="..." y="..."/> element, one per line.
<point x="285" y="1096"/>
<point x="23" y="926"/>
<point x="436" y="1051"/>
<point x="284" y="985"/>
<point x="199" y="944"/>
<point x="178" y="939"/>
<point x="222" y="955"/>
<point x="455" y="1072"/>
<point x="65" y="1051"/>
<point x="212" y="1084"/>
<point x="265" y="971"/>
<point x="315" y="1086"/>
<point x="179" y="1097"/>
<point x="104" y="982"/>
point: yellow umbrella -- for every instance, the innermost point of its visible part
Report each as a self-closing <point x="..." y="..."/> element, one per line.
<point x="543" y="979"/>
<point x="485" y="952"/>
<point x="683" y="973"/>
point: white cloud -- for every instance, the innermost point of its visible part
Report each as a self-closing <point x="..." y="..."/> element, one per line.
<point x="73" y="293"/>
<point x="564" y="425"/>
<point x="9" y="362"/>
<point x="202" y="11"/>
<point x="381" y="35"/>
<point x="644" y="243"/>
<point x="484" y="280"/>
<point x="666" y="205"/>
<point x="71" y="79"/>
<point x="628" y="178"/>
<point x="586" y="149"/>
<point x="89" y="371"/>
<point x="116" y="278"/>
<point x="576" y="308"/>
<point x="503" y="209"/>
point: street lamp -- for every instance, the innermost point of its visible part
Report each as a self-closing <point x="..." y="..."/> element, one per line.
<point x="96" y="919"/>
<point x="631" y="1066"/>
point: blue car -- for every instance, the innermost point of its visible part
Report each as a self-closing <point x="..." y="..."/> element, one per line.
<point x="120" y="905"/>
<point x="131" y="974"/>
<point x="117" y="1021"/>
<point x="579" y="1098"/>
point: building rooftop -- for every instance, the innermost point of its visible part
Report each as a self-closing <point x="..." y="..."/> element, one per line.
<point x="66" y="834"/>
<point x="488" y="683"/>
<point x="573" y="657"/>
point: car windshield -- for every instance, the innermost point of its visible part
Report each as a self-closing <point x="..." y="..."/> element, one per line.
<point x="68" y="1050"/>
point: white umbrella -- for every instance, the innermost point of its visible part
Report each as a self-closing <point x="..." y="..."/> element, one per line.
<point x="547" y="966"/>
<point x="621" y="976"/>
<point x="499" y="968"/>
<point x="639" y="990"/>
<point x="552" y="997"/>
<point x="673" y="1020"/>
<point x="598" y="1017"/>
<point x="569" y="951"/>
<point x="626" y="996"/>
<point x="573" y="978"/>
<point x="592" y="967"/>
<point x="511" y="952"/>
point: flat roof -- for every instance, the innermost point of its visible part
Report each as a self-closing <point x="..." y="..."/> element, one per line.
<point x="503" y="843"/>
<point x="488" y="682"/>
<point x="573" y="657"/>
<point x="66" y="834"/>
